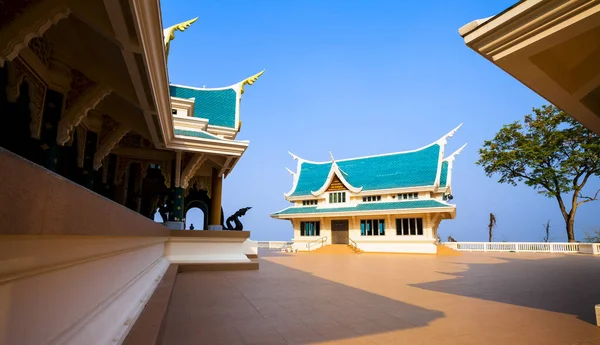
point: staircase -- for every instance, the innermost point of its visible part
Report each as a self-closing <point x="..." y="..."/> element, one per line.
<point x="446" y="251"/>
<point x="337" y="249"/>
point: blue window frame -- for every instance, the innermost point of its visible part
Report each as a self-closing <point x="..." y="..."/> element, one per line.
<point x="372" y="227"/>
<point x="310" y="228"/>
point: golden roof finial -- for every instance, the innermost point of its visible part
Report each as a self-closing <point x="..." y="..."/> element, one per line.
<point x="169" y="33"/>
<point x="251" y="80"/>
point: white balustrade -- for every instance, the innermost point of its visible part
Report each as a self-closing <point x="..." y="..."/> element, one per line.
<point x="272" y="244"/>
<point x="527" y="247"/>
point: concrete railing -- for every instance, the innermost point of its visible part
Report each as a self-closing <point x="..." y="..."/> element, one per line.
<point x="527" y="247"/>
<point x="272" y="244"/>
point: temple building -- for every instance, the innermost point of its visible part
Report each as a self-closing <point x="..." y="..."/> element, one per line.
<point x="385" y="203"/>
<point x="94" y="140"/>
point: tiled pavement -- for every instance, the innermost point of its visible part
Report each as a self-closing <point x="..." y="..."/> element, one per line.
<point x="477" y="298"/>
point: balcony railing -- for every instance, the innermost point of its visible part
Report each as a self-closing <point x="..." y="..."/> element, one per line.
<point x="526" y="247"/>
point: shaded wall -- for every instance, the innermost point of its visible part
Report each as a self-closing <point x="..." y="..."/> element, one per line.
<point x="75" y="267"/>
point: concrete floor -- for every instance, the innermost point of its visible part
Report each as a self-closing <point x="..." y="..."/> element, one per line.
<point x="477" y="298"/>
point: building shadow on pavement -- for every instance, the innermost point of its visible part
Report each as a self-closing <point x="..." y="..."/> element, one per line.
<point x="279" y="305"/>
<point x="567" y="284"/>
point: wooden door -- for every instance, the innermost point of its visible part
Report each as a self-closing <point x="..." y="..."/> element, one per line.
<point x="339" y="231"/>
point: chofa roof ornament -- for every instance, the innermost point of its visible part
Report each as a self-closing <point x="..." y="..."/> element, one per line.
<point x="169" y="33"/>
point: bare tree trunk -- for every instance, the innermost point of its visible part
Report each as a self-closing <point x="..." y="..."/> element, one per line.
<point x="570" y="227"/>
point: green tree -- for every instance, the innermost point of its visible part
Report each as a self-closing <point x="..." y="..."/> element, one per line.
<point x="550" y="152"/>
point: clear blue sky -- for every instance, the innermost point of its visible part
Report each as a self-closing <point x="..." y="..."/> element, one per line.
<point x="360" y="78"/>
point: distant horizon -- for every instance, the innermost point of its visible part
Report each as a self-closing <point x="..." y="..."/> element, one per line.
<point x="365" y="78"/>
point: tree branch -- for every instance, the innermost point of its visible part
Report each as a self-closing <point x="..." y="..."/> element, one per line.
<point x="588" y="198"/>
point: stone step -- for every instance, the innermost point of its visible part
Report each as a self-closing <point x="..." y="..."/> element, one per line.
<point x="447" y="251"/>
<point x="336" y="249"/>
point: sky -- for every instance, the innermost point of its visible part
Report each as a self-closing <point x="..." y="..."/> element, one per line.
<point x="360" y="78"/>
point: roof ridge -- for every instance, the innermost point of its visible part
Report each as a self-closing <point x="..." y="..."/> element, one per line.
<point x="440" y="141"/>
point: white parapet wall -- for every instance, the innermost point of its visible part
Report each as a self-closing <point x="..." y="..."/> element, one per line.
<point x="412" y="247"/>
<point x="208" y="246"/>
<point x="75" y="267"/>
<point x="527" y="247"/>
<point x="251" y="248"/>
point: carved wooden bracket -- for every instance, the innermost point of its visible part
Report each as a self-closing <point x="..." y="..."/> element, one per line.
<point x="73" y="116"/>
<point x="34" y="22"/>
<point x="122" y="166"/>
<point x="108" y="144"/>
<point x="81" y="138"/>
<point x="200" y="183"/>
<point x="191" y="168"/>
<point x="165" y="169"/>
<point x="19" y="72"/>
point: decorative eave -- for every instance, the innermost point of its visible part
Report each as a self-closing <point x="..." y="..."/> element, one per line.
<point x="224" y="147"/>
<point x="376" y="192"/>
<point x="448" y="209"/>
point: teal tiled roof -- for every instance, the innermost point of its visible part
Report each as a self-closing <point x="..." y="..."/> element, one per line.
<point x="218" y="106"/>
<point x="398" y="170"/>
<point x="197" y="134"/>
<point x="369" y="206"/>
<point x="444" y="174"/>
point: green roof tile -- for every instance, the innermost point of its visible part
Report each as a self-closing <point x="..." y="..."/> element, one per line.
<point x="196" y="134"/>
<point x="444" y="174"/>
<point x="397" y="170"/>
<point x="218" y="106"/>
<point x="369" y="206"/>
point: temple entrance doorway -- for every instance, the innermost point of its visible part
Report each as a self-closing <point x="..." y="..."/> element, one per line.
<point x="339" y="231"/>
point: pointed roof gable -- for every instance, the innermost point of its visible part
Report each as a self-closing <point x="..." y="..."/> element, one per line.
<point x="417" y="168"/>
<point x="220" y="106"/>
<point x="335" y="172"/>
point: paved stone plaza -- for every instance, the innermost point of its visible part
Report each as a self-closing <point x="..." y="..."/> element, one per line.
<point x="476" y="298"/>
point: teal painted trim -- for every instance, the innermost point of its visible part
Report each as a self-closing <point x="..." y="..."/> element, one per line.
<point x="444" y="174"/>
<point x="370" y="206"/>
<point x="217" y="106"/>
<point x="196" y="134"/>
<point x="398" y="170"/>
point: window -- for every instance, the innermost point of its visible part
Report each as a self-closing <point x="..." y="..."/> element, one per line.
<point x="174" y="111"/>
<point x="408" y="196"/>
<point x="372" y="227"/>
<point x="337" y="197"/>
<point x="371" y="198"/>
<point x="310" y="229"/>
<point x="309" y="202"/>
<point x="409" y="226"/>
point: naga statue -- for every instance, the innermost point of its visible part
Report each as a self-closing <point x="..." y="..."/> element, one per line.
<point x="234" y="218"/>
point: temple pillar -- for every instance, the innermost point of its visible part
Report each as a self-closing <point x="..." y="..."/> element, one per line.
<point x="48" y="129"/>
<point x="215" y="201"/>
<point x="178" y="203"/>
